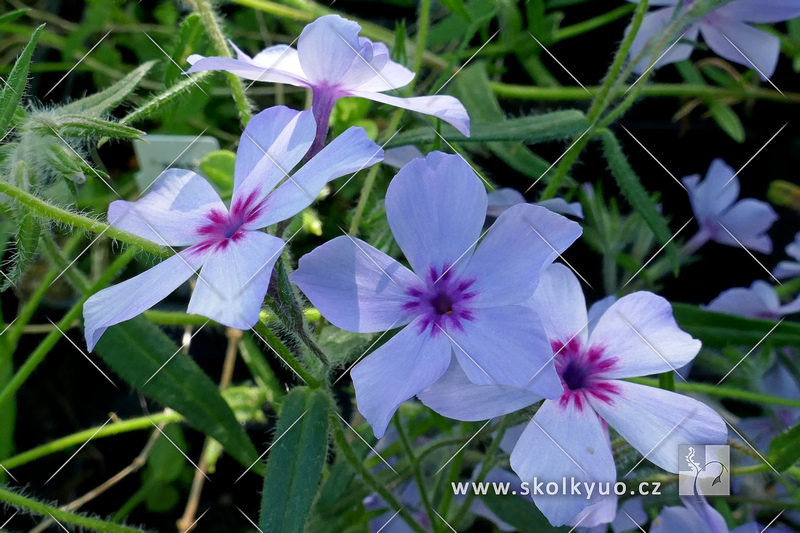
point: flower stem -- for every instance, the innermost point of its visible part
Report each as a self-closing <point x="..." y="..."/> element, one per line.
<point x="350" y="455"/>
<point x="38" y="355"/>
<point x="423" y="21"/>
<point x="44" y="209"/>
<point x="287" y="356"/>
<point x="416" y="470"/>
<point x="22" y="502"/>
<point x="723" y="392"/>
<point x="211" y="24"/>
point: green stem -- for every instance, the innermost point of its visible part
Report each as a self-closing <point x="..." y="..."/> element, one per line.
<point x="60" y="262"/>
<point x="366" y="190"/>
<point x="723" y="392"/>
<point x="44" y="209"/>
<point x="38" y="355"/>
<point x="593" y="23"/>
<point x="211" y="24"/>
<point x="423" y="21"/>
<point x="417" y="471"/>
<point x="368" y="478"/>
<point x="76" y="439"/>
<point x="287" y="356"/>
<point x="63" y="516"/>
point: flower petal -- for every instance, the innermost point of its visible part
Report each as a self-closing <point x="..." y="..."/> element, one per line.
<point x="401" y="156"/>
<point x="397" y="371"/>
<point x="441" y="106"/>
<point x="391" y="76"/>
<point x="641" y="334"/>
<point x="436" y="208"/>
<point x="633" y="517"/>
<point x="172" y="212"/>
<point x="559" y="302"/>
<point x="233" y="282"/>
<point x="133" y="296"/>
<point x="748" y="221"/>
<point x="695" y="516"/>
<point x="597" y="514"/>
<point x="277" y="64"/>
<point x="562" y="444"/>
<point x="757" y="301"/>
<point x="716" y="193"/>
<point x="761" y="11"/>
<point x="755" y="47"/>
<point x="273" y="142"/>
<point x="507" y="346"/>
<point x="524" y="240"/>
<point x="355" y="286"/>
<point x="786" y="269"/>
<point x="653" y="26"/>
<point x="346" y="154"/>
<point x="502" y="199"/>
<point x="455" y="396"/>
<point x="561" y="206"/>
<point x="656" y="422"/>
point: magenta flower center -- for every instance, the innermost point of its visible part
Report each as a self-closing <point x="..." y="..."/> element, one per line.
<point x="444" y="301"/>
<point x="222" y="226"/>
<point x="582" y="371"/>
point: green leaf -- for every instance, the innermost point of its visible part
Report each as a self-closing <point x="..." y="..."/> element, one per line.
<point x="519" y="512"/>
<point x="165" y="462"/>
<point x="73" y="125"/>
<point x="217" y="166"/>
<point x="190" y="39"/>
<point x="638" y="196"/>
<point x="720" y="330"/>
<point x="535" y="129"/>
<point x="784" y="450"/>
<point x="295" y="462"/>
<point x="137" y="349"/>
<point x="100" y="103"/>
<point x="16" y="82"/>
<point x="727" y="119"/>
<point x="12" y="15"/>
<point x="456" y="7"/>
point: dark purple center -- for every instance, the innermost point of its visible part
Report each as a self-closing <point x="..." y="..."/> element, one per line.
<point x="443" y="302"/>
<point x="222" y="227"/>
<point x="583" y="373"/>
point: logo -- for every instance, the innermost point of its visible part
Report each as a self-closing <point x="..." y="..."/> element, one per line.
<point x="704" y="469"/>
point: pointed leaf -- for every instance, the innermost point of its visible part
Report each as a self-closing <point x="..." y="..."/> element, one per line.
<point x="137" y="349"/>
<point x="73" y="125"/>
<point x="784" y="450"/>
<point x="15" y="84"/>
<point x="720" y="330"/>
<point x="106" y="100"/>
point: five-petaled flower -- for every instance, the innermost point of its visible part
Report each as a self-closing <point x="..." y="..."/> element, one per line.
<point x="567" y="437"/>
<point x="236" y="258"/>
<point x="726" y="30"/>
<point x="334" y="61"/>
<point x="721" y="217"/>
<point x="759" y="300"/>
<point x="461" y="297"/>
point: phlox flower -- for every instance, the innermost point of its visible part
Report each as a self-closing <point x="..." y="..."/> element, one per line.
<point x="724" y="30"/>
<point x="502" y="199"/>
<point x="790" y="269"/>
<point x="567" y="438"/>
<point x="697" y="515"/>
<point x="458" y="297"/>
<point x="759" y="300"/>
<point x="333" y="61"/>
<point x="722" y="217"/>
<point x="630" y="516"/>
<point x="233" y="257"/>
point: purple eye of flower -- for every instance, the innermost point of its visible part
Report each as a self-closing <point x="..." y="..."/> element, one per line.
<point x="444" y="300"/>
<point x="581" y="370"/>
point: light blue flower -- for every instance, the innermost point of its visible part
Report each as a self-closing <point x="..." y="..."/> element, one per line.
<point x="502" y="199"/>
<point x="458" y="297"/>
<point x="757" y="301"/>
<point x="234" y="258"/>
<point x="790" y="269"/>
<point x="698" y="515"/>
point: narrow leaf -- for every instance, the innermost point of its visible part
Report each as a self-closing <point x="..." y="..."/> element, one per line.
<point x="638" y="196"/>
<point x="295" y="462"/>
<point x="720" y="330"/>
<point x="106" y="100"/>
<point x="15" y="84"/>
<point x="727" y="119"/>
<point x="456" y="7"/>
<point x="12" y="15"/>
<point x="137" y="349"/>
<point x="73" y="125"/>
<point x="784" y="450"/>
